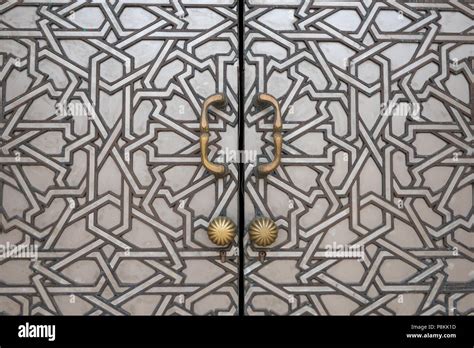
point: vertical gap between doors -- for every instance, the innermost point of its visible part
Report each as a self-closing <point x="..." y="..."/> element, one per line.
<point x="241" y="134"/>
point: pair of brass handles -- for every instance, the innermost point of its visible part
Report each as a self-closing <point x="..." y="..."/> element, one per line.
<point x="219" y="101"/>
<point x="222" y="230"/>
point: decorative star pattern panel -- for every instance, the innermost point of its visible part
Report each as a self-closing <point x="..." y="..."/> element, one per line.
<point x="101" y="181"/>
<point x="377" y="101"/>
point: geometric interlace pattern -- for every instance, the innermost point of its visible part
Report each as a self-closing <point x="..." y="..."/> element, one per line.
<point x="100" y="156"/>
<point x="101" y="177"/>
<point x="376" y="101"/>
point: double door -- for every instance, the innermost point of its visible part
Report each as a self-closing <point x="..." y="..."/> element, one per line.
<point x="221" y="157"/>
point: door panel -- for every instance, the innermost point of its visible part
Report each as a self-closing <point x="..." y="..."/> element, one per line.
<point x="101" y="181"/>
<point x="376" y="102"/>
<point x="101" y="171"/>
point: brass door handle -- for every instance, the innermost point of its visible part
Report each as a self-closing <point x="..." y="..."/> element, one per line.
<point x="219" y="101"/>
<point x="267" y="168"/>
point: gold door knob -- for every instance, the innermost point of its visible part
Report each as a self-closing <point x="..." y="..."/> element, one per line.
<point x="221" y="231"/>
<point x="263" y="231"/>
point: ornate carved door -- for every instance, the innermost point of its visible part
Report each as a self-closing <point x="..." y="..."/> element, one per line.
<point x="373" y="195"/>
<point x="101" y="174"/>
<point x="112" y="127"/>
